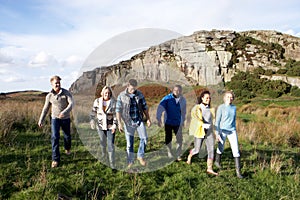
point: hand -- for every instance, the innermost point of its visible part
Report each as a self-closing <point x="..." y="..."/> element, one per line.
<point x="148" y="123"/>
<point x="61" y="115"/>
<point x="113" y="130"/>
<point x="159" y="124"/>
<point x="40" y="125"/>
<point x="92" y="123"/>
<point x="219" y="139"/>
<point x="206" y="126"/>
<point x="121" y="129"/>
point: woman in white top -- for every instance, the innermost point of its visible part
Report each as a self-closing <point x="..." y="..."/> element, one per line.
<point x="103" y="117"/>
<point x="201" y="127"/>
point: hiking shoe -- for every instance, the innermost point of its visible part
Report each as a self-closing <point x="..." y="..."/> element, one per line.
<point x="129" y="165"/>
<point x="54" y="164"/>
<point x="170" y="155"/>
<point x="142" y="161"/>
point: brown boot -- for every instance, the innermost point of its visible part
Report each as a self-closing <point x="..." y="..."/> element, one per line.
<point x="142" y="161"/>
<point x="210" y="167"/>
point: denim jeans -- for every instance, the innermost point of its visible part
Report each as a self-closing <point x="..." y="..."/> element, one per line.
<point x="129" y="134"/>
<point x="233" y="140"/>
<point x="107" y="138"/>
<point x="56" y="124"/>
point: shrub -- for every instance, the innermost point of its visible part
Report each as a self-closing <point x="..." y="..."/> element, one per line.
<point x="276" y="88"/>
<point x="293" y="67"/>
<point x="273" y="94"/>
<point x="295" y="91"/>
<point x="247" y="85"/>
<point x="259" y="71"/>
<point x="269" y="72"/>
<point x="281" y="71"/>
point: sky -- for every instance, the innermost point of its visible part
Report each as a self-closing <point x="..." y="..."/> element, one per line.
<point x="42" y="38"/>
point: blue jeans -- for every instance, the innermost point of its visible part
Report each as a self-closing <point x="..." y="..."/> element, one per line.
<point x="56" y="124"/>
<point x="129" y="134"/>
<point x="107" y="138"/>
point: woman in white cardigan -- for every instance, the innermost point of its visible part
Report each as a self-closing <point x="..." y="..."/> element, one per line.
<point x="103" y="117"/>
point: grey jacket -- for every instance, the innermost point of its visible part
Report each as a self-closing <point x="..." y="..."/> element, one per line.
<point x="60" y="103"/>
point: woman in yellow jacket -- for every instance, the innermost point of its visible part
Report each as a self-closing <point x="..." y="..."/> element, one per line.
<point x="201" y="127"/>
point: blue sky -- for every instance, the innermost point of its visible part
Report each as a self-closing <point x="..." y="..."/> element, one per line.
<point x="41" y="38"/>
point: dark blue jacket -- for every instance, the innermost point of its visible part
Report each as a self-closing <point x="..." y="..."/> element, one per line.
<point x="174" y="112"/>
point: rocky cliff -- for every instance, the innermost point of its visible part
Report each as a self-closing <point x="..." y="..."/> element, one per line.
<point x="203" y="58"/>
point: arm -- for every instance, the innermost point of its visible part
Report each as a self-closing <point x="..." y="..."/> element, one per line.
<point x="70" y="104"/>
<point x="146" y="112"/>
<point x="183" y="111"/>
<point x="120" y="125"/>
<point x="119" y="108"/>
<point x="218" y="120"/>
<point x="196" y="114"/>
<point x="196" y="127"/>
<point x="160" y="109"/>
<point x="115" y="121"/>
<point x="44" y="111"/>
<point x="93" y="114"/>
<point x="234" y="118"/>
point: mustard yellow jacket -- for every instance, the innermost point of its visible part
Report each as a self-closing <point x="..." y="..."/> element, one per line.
<point x="196" y="128"/>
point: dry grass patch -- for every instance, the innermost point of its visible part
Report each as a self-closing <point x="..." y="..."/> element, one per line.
<point x="270" y="125"/>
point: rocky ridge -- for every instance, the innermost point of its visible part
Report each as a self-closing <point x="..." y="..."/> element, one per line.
<point x="203" y="58"/>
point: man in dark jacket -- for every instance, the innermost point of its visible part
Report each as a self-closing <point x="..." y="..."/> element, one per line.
<point x="174" y="107"/>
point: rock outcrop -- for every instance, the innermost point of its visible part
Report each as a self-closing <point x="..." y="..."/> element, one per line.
<point x="203" y="58"/>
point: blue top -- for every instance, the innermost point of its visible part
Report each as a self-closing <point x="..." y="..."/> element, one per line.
<point x="226" y="117"/>
<point x="174" y="111"/>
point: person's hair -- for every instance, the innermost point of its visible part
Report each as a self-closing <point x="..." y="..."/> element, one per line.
<point x="55" y="78"/>
<point x="204" y="92"/>
<point x="132" y="82"/>
<point x="229" y="92"/>
<point x="109" y="89"/>
<point x="179" y="87"/>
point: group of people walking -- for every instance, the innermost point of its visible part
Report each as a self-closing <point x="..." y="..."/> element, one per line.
<point x="129" y="113"/>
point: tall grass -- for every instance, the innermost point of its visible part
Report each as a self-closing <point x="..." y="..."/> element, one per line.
<point x="19" y="116"/>
<point x="274" y="125"/>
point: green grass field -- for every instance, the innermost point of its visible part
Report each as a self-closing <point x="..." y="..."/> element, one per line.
<point x="25" y="173"/>
<point x="269" y="140"/>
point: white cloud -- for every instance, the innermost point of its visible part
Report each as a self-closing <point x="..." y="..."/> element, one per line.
<point x="72" y="61"/>
<point x="5" y="57"/>
<point x="43" y="59"/>
<point x="11" y="79"/>
<point x="8" y="76"/>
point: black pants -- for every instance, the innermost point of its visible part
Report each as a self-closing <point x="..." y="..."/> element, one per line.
<point x="177" y="131"/>
<point x="168" y="138"/>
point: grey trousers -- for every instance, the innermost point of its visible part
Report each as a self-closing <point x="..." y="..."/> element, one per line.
<point x="210" y="143"/>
